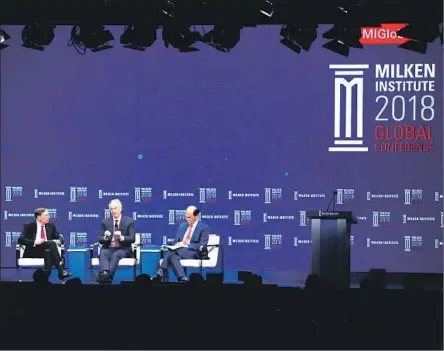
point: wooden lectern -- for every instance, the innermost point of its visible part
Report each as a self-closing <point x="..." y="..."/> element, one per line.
<point x="330" y="238"/>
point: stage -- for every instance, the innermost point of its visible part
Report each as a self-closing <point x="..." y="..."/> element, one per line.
<point x="431" y="282"/>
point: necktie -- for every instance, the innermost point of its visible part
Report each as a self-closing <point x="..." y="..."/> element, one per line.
<point x="42" y="233"/>
<point x="188" y="236"/>
<point x="116" y="228"/>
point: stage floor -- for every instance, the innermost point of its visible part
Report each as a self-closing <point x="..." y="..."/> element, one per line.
<point x="395" y="280"/>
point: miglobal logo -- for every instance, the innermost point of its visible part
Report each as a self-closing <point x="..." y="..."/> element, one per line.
<point x="386" y="34"/>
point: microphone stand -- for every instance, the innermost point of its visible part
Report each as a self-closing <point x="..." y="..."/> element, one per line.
<point x="334" y="197"/>
<point x="331" y="200"/>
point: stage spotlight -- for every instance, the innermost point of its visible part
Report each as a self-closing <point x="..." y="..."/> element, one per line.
<point x="348" y="35"/>
<point x="338" y="47"/>
<point x="440" y="32"/>
<point x="180" y="37"/>
<point x="36" y="36"/>
<point x="93" y="37"/>
<point x="424" y="32"/>
<point x="420" y="35"/>
<point x="138" y="37"/>
<point x="297" y="38"/>
<point x="4" y="37"/>
<point x="168" y="8"/>
<point x="223" y="38"/>
<point x="342" y="36"/>
<point x="267" y="8"/>
<point x="416" y="46"/>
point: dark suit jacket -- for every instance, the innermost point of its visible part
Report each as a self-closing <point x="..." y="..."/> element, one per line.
<point x="27" y="237"/>
<point x="200" y="235"/>
<point x="126" y="226"/>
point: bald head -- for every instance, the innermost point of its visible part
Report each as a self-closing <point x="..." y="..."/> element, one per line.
<point x="192" y="214"/>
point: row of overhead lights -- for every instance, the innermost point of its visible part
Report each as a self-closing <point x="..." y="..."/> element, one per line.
<point x="138" y="37"/>
<point x="223" y="38"/>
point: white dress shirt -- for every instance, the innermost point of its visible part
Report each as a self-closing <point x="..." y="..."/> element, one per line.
<point x="38" y="234"/>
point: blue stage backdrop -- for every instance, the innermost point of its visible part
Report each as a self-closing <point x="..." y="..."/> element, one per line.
<point x="255" y="138"/>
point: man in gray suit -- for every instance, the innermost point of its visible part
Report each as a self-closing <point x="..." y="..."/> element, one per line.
<point x="116" y="235"/>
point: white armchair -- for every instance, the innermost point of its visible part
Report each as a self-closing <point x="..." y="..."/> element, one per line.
<point x="211" y="260"/>
<point x="127" y="262"/>
<point x="35" y="263"/>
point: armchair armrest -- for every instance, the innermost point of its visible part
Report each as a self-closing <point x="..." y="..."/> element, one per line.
<point x="91" y="250"/>
<point x="62" y="254"/>
<point x="18" y="254"/>
<point x="207" y="246"/>
<point x="135" y="246"/>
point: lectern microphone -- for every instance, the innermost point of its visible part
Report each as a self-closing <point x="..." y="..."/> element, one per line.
<point x="331" y="200"/>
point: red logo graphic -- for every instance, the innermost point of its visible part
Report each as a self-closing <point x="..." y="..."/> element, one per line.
<point x="386" y="34"/>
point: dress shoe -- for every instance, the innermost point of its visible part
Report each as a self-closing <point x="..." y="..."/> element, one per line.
<point x="104" y="278"/>
<point x="63" y="275"/>
<point x="159" y="277"/>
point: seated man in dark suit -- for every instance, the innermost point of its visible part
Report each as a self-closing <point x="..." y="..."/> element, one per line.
<point x="191" y="241"/>
<point x="116" y="235"/>
<point x="41" y="239"/>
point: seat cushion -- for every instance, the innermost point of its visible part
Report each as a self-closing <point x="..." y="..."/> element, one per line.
<point x="213" y="253"/>
<point x="209" y="263"/>
<point x="31" y="262"/>
<point x="124" y="262"/>
<point x="198" y="263"/>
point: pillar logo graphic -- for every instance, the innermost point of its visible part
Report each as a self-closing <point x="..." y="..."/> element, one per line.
<point x="405" y="104"/>
<point x="272" y="195"/>
<point x="176" y="217"/>
<point x="302" y="218"/>
<point x="12" y="192"/>
<point x="78" y="239"/>
<point x="380" y="218"/>
<point x="78" y="193"/>
<point x="350" y="138"/>
<point x="145" y="238"/>
<point x="207" y="195"/>
<point x="143" y="195"/>
<point x="272" y="241"/>
<point x="11" y="238"/>
<point x="412" y="196"/>
<point x="241" y="217"/>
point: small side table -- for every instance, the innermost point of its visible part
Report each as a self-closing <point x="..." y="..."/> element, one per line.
<point x="149" y="259"/>
<point x="78" y="262"/>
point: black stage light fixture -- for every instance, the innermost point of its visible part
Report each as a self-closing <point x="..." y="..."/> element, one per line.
<point x="421" y="35"/>
<point x="296" y="37"/>
<point x="93" y="37"/>
<point x="347" y="34"/>
<point x="38" y="35"/>
<point x="416" y="46"/>
<point x="342" y="39"/>
<point x="168" y="7"/>
<point x="440" y="32"/>
<point x="338" y="47"/>
<point x="139" y="37"/>
<point x="180" y="37"/>
<point x="223" y="38"/>
<point x="267" y="8"/>
<point x="4" y="37"/>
